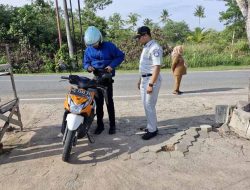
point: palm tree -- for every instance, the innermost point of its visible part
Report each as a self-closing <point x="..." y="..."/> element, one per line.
<point x="133" y="19"/>
<point x="199" y="12"/>
<point x="115" y="21"/>
<point x="164" y="16"/>
<point x="197" y="36"/>
<point x="148" y="22"/>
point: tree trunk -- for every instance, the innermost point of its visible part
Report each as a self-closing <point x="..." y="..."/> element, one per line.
<point x="69" y="39"/>
<point x="245" y="10"/>
<point x="248" y="23"/>
<point x="58" y="24"/>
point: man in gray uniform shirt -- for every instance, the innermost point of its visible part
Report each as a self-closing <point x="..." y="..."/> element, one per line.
<point x="150" y="79"/>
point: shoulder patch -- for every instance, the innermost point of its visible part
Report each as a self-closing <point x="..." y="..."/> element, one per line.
<point x="156" y="52"/>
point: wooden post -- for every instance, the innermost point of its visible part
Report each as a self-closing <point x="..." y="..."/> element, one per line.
<point x="10" y="70"/>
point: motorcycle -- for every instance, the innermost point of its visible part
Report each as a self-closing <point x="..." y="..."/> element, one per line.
<point x="80" y="108"/>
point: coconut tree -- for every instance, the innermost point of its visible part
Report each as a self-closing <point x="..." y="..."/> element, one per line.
<point x="164" y="16"/>
<point x="133" y="19"/>
<point x="115" y="24"/>
<point x="244" y="6"/>
<point x="148" y="22"/>
<point x="199" y="12"/>
<point x="197" y="36"/>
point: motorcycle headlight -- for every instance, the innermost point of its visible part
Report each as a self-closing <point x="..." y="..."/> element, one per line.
<point x="76" y="109"/>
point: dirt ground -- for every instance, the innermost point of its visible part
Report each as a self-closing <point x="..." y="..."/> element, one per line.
<point x="32" y="158"/>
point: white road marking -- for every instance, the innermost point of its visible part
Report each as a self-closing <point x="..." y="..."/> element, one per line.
<point x="31" y="80"/>
<point x="138" y="96"/>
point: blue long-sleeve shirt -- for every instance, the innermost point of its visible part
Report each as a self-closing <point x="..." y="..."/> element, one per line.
<point x="105" y="55"/>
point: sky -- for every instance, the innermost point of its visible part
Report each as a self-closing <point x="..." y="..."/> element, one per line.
<point x="179" y="10"/>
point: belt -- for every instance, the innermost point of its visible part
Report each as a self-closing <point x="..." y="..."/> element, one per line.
<point x="147" y="75"/>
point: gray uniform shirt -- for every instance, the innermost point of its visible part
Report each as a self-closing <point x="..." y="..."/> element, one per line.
<point x="151" y="55"/>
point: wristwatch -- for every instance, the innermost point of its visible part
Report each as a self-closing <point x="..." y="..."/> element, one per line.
<point x="151" y="84"/>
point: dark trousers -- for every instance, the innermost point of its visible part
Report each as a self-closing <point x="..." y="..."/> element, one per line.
<point x="110" y="106"/>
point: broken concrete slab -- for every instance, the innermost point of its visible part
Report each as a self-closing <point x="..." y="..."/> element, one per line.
<point x="240" y="123"/>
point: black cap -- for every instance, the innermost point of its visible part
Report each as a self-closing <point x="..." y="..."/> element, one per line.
<point x="142" y="31"/>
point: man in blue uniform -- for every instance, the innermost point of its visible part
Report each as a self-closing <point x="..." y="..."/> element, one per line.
<point x="102" y="55"/>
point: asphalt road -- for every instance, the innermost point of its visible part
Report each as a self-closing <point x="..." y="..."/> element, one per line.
<point x="50" y="87"/>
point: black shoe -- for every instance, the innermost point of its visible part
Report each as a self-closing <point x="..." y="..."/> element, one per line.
<point x="112" y="130"/>
<point x="99" y="130"/>
<point x="149" y="135"/>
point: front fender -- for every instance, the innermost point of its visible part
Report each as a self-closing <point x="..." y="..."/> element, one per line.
<point x="74" y="121"/>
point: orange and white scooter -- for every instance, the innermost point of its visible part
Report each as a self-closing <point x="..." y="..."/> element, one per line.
<point x="80" y="108"/>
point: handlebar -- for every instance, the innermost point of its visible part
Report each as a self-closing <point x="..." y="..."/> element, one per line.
<point x="101" y="78"/>
<point x="63" y="77"/>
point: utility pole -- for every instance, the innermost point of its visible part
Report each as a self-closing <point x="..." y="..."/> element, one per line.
<point x="58" y="24"/>
<point x="69" y="40"/>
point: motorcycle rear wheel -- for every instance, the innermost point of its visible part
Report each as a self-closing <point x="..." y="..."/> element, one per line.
<point x="68" y="145"/>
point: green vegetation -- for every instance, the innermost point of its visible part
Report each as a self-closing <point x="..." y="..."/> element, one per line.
<point x="32" y="35"/>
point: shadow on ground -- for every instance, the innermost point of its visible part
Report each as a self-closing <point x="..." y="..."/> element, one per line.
<point x="45" y="143"/>
<point x="211" y="90"/>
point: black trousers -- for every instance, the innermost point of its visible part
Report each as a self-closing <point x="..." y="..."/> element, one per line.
<point x="110" y="106"/>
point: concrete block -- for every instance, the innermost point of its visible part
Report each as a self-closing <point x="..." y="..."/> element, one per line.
<point x="240" y="123"/>
<point x="206" y="128"/>
<point x="222" y="113"/>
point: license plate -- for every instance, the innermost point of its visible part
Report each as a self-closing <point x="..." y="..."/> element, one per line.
<point x="79" y="92"/>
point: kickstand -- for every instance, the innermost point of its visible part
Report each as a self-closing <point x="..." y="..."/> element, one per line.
<point x="91" y="139"/>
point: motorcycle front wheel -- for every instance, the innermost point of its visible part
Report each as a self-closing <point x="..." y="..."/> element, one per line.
<point x="68" y="145"/>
